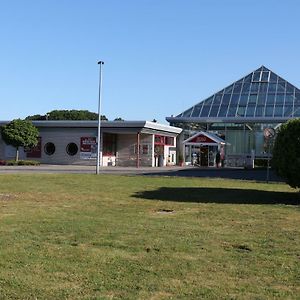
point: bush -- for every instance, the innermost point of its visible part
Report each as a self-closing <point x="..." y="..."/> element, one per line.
<point x="22" y="163"/>
<point x="2" y="162"/>
<point x="286" y="153"/>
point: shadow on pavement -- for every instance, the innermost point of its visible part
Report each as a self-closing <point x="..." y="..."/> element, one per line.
<point x="219" y="195"/>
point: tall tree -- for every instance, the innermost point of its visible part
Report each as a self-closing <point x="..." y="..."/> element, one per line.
<point x="20" y="133"/>
<point x="286" y="153"/>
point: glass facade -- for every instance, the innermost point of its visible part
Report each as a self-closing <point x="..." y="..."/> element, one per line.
<point x="240" y="112"/>
<point x="261" y="93"/>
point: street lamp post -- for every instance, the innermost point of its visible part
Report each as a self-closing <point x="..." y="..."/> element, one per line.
<point x="99" y="117"/>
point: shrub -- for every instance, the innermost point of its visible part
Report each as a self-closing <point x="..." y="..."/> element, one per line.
<point x="22" y="163"/>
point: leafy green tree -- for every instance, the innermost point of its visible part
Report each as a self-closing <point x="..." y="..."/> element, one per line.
<point x="286" y="153"/>
<point x="20" y="133"/>
<point x="118" y="119"/>
<point x="68" y="115"/>
<point x="36" y="117"/>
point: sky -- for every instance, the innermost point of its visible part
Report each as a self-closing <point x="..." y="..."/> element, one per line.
<point x="160" y="56"/>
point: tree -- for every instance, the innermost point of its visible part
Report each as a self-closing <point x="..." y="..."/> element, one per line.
<point x="68" y="115"/>
<point x="20" y="133"/>
<point x="286" y="153"/>
<point x="118" y="119"/>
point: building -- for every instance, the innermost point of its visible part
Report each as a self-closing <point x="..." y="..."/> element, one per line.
<point x="239" y="114"/>
<point x="123" y="143"/>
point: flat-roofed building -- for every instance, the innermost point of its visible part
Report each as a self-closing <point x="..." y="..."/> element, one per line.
<point x="122" y="143"/>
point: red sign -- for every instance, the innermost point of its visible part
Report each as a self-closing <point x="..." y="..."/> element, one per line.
<point x="202" y="139"/>
<point x="87" y="143"/>
<point x="88" y="147"/>
<point x="36" y="151"/>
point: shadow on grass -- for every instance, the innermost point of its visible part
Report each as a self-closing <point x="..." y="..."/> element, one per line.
<point x="220" y="195"/>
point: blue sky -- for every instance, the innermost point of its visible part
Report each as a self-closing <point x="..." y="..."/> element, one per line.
<point x="161" y="56"/>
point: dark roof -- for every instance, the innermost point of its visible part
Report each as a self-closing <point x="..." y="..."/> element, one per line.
<point x="261" y="96"/>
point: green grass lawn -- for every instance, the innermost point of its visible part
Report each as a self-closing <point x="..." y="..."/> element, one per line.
<point x="135" y="237"/>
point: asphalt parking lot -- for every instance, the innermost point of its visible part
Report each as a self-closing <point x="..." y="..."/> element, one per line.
<point x="187" y="171"/>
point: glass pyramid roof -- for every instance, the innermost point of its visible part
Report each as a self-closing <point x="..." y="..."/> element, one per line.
<point x="261" y="94"/>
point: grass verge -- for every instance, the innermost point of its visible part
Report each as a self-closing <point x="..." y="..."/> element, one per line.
<point x="134" y="237"/>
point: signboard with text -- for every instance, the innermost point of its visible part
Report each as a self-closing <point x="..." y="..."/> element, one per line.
<point x="88" y="148"/>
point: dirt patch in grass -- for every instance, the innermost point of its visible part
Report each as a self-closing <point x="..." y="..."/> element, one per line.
<point x="6" y="197"/>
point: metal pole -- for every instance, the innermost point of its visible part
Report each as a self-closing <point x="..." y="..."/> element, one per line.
<point x="268" y="165"/>
<point x="99" y="118"/>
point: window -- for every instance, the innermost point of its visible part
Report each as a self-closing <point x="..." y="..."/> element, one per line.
<point x="169" y="141"/>
<point x="159" y="140"/>
<point x="109" y="144"/>
<point x="49" y="148"/>
<point x="261" y="76"/>
<point x="145" y="149"/>
<point x="72" y="149"/>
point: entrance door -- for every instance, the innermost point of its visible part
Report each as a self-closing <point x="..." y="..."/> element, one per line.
<point x="204" y="156"/>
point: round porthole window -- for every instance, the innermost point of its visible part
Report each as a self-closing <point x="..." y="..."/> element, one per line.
<point x="72" y="149"/>
<point x="49" y="148"/>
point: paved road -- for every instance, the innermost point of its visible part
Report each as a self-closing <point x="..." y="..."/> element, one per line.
<point x="233" y="173"/>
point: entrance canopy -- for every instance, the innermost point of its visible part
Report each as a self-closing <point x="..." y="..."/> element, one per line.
<point x="202" y="138"/>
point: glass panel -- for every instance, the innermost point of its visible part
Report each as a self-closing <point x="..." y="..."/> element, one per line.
<point x="297" y="98"/>
<point x="187" y="113"/>
<point x="226" y="99"/>
<point x="281" y="87"/>
<point x="248" y="78"/>
<point x="214" y="111"/>
<point x="217" y="99"/>
<point x="259" y="111"/>
<point x="278" y="111"/>
<point x="252" y="99"/>
<point x="223" y="110"/>
<point x="297" y="111"/>
<point x="246" y="88"/>
<point x="289" y="99"/>
<point x="288" y="110"/>
<point x="254" y="87"/>
<point x="270" y="99"/>
<point x="205" y="111"/>
<point x="272" y="87"/>
<point x="208" y="101"/>
<point x="269" y="111"/>
<point x="256" y="76"/>
<point x="279" y="98"/>
<point x="273" y="77"/>
<point x="244" y="99"/>
<point x="235" y="98"/>
<point x="250" y="111"/>
<point x="265" y="76"/>
<point x="241" y="111"/>
<point x="229" y="89"/>
<point x="231" y="111"/>
<point x="263" y="87"/>
<point x="237" y="88"/>
<point x="261" y="99"/>
<point x="197" y="110"/>
<point x="289" y="88"/>
<point x="280" y="79"/>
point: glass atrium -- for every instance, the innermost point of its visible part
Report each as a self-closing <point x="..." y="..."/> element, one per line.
<point x="240" y="112"/>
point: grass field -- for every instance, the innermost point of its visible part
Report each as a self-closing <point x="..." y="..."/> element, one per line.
<point x="135" y="237"/>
